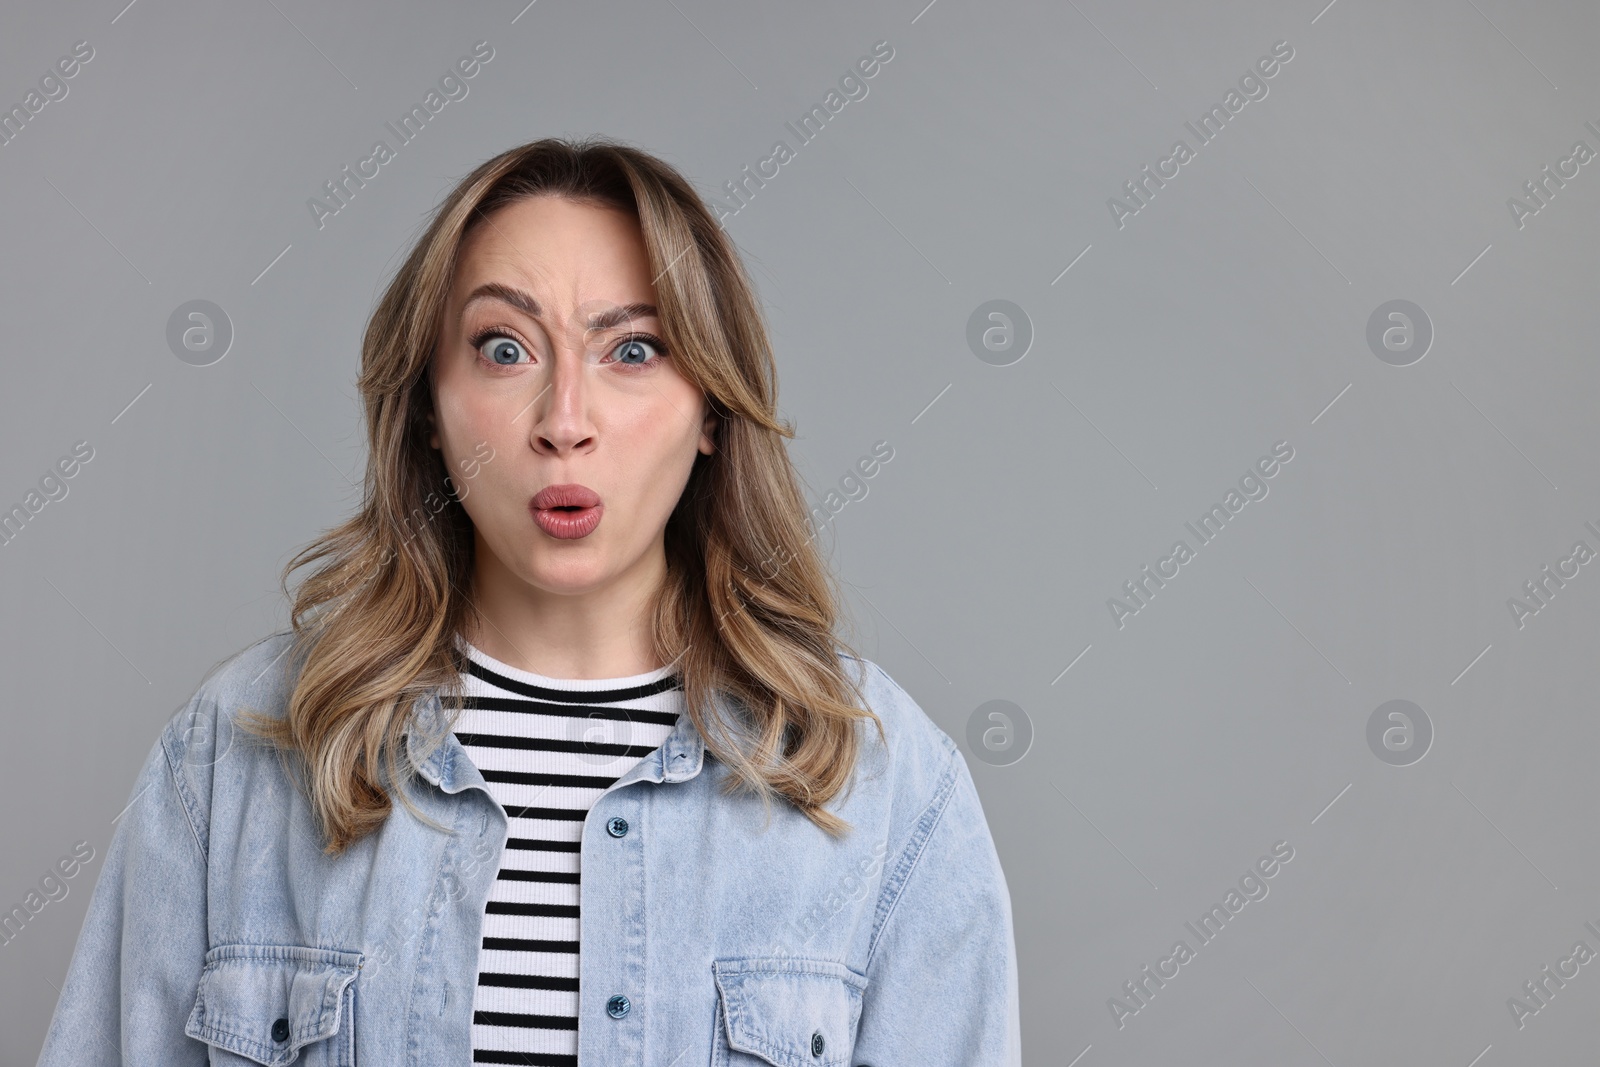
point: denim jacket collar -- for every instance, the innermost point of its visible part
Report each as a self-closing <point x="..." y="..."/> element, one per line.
<point x="448" y="766"/>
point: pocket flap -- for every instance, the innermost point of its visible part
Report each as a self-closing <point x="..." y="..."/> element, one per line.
<point x="790" y="1012"/>
<point x="265" y="1002"/>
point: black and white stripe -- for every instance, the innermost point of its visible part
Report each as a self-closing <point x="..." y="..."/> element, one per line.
<point x="547" y="748"/>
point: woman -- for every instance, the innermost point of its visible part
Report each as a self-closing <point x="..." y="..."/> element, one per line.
<point x="578" y="631"/>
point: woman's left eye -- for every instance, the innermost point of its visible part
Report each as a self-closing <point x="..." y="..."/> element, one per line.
<point x="636" y="351"/>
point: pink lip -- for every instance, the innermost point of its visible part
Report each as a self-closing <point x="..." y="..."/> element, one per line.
<point x="567" y="511"/>
<point x="567" y="494"/>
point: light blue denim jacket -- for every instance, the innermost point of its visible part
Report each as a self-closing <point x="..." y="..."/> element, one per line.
<point x="220" y="933"/>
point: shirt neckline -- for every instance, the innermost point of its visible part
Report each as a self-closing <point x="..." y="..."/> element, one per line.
<point x="481" y="657"/>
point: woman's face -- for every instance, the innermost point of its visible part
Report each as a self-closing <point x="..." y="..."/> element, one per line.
<point x="550" y="356"/>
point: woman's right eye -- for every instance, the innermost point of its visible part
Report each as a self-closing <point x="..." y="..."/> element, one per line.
<point x="501" y="350"/>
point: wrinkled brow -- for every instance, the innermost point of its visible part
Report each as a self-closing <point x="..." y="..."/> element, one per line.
<point x="525" y="303"/>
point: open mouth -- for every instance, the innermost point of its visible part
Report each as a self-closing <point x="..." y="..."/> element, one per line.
<point x="568" y="511"/>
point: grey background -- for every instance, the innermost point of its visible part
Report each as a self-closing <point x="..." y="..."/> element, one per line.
<point x="1228" y="314"/>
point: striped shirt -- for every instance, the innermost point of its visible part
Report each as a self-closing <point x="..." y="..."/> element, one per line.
<point x="547" y="747"/>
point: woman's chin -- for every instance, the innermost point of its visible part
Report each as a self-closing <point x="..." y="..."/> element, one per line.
<point x="569" y="576"/>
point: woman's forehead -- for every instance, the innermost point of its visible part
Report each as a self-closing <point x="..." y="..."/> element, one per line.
<point x="562" y="260"/>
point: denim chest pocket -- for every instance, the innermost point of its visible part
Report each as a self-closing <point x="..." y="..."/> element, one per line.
<point x="276" y="1005"/>
<point x="785" y="1011"/>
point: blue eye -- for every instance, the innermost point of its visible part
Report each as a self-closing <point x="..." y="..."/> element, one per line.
<point x="504" y="351"/>
<point x="640" y="346"/>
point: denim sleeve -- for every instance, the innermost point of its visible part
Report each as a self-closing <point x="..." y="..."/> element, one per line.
<point x="942" y="973"/>
<point x="134" y="973"/>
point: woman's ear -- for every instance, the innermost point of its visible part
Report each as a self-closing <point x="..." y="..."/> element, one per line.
<point x="432" y="397"/>
<point x="708" y="433"/>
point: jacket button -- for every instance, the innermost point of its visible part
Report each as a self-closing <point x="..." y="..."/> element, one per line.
<point x="617" y="1006"/>
<point x="280" y="1030"/>
<point x="616" y="826"/>
<point x="817" y="1044"/>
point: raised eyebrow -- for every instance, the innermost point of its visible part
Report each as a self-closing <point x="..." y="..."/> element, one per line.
<point x="602" y="320"/>
<point x="522" y="301"/>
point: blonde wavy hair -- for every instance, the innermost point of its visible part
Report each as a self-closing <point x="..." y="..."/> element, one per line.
<point x="747" y="608"/>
